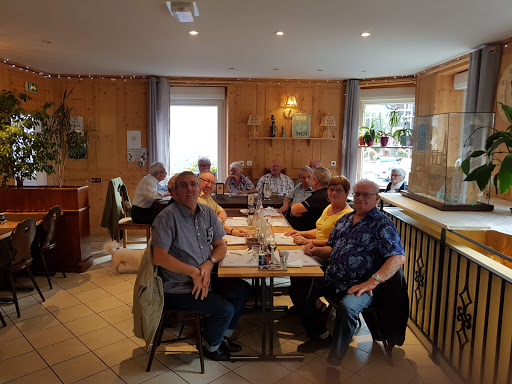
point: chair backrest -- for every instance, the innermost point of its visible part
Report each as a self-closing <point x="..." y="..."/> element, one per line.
<point x="49" y="225"/>
<point x="21" y="240"/>
<point x="125" y="201"/>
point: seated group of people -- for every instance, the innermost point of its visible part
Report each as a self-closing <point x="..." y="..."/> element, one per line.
<point x="358" y="248"/>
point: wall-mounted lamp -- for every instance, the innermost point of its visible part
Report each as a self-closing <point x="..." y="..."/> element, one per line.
<point x="291" y="102"/>
<point x="328" y="122"/>
<point x="253" y="121"/>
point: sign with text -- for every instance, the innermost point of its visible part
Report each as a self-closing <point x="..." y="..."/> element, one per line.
<point x="301" y="125"/>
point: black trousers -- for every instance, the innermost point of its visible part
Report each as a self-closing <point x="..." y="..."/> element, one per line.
<point x="142" y="215"/>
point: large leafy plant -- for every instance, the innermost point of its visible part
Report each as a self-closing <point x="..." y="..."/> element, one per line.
<point x="24" y="151"/>
<point x="497" y="144"/>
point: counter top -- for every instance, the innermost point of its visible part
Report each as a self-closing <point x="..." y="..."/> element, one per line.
<point x="499" y="220"/>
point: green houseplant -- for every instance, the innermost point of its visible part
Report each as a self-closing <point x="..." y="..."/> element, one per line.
<point x="24" y="151"/>
<point x="403" y="135"/>
<point x="369" y="134"/>
<point x="498" y="154"/>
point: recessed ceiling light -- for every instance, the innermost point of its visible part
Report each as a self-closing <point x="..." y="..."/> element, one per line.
<point x="363" y="71"/>
<point x="231" y="68"/>
<point x="275" y="69"/>
<point x="279" y="33"/>
<point x="319" y="70"/>
<point x="46" y="41"/>
<point x="365" y="34"/>
<point x="193" y="33"/>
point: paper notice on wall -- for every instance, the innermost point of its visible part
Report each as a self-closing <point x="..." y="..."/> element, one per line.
<point x="133" y="140"/>
<point x="137" y="155"/>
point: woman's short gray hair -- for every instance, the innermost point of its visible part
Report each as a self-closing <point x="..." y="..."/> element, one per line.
<point x="237" y="166"/>
<point x="400" y="171"/>
<point x="156" y="167"/>
<point x="375" y="185"/>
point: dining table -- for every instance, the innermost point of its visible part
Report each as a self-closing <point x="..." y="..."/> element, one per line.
<point x="262" y="275"/>
<point x="229" y="200"/>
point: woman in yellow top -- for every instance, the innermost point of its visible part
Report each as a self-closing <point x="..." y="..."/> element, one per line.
<point x="337" y="190"/>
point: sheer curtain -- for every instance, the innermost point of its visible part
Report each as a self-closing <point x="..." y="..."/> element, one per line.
<point x="350" y="131"/>
<point x="159" y="121"/>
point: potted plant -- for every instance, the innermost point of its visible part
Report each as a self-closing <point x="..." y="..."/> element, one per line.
<point x="383" y="137"/>
<point x="369" y="135"/>
<point x="403" y="136"/>
<point x="498" y="143"/>
<point x="59" y="127"/>
<point x="23" y="150"/>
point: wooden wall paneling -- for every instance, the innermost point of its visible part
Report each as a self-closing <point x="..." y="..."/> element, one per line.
<point x="124" y="123"/>
<point x="425" y="95"/>
<point x="4" y="77"/>
<point x="133" y="96"/>
<point x="106" y="117"/>
<point x="233" y="128"/>
<point x="447" y="99"/>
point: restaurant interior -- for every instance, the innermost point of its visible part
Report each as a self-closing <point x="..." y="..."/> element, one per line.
<point x="124" y="61"/>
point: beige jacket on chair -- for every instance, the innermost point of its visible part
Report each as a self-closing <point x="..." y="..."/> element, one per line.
<point x="148" y="298"/>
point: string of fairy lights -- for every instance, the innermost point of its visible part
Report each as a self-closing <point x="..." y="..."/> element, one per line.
<point x="367" y="82"/>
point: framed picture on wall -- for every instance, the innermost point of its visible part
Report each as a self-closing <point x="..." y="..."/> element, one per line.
<point x="301" y="125"/>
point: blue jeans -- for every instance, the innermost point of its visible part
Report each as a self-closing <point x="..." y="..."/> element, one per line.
<point x="223" y="305"/>
<point x="347" y="316"/>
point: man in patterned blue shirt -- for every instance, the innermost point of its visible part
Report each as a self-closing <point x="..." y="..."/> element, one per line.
<point x="365" y="250"/>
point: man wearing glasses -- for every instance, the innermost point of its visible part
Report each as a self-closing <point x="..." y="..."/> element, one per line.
<point x="207" y="183"/>
<point x="365" y="250"/>
<point x="148" y="190"/>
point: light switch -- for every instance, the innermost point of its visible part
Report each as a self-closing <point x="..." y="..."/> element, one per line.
<point x="333" y="163"/>
<point x="249" y="163"/>
<point x="241" y="163"/>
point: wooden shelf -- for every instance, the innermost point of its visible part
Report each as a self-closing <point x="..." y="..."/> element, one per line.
<point x="309" y="139"/>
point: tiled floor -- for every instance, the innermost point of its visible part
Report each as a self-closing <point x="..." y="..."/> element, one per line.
<point x="83" y="333"/>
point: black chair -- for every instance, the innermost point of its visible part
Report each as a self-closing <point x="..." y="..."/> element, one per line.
<point x="170" y="316"/>
<point x="21" y="240"/>
<point x="47" y="238"/>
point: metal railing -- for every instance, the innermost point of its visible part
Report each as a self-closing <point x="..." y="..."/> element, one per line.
<point x="458" y="301"/>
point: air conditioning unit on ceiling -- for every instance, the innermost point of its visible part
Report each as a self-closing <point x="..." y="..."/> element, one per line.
<point x="183" y="10"/>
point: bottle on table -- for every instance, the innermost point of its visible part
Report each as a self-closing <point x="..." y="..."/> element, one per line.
<point x="266" y="191"/>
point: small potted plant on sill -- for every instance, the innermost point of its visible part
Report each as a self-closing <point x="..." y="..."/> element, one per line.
<point x="369" y="135"/>
<point x="403" y="136"/>
<point x="498" y="143"/>
<point x="383" y="137"/>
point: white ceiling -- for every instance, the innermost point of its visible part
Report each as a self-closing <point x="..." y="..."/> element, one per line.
<point x="140" y="37"/>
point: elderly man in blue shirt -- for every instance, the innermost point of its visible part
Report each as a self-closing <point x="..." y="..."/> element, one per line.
<point x="365" y="250"/>
<point x="187" y="243"/>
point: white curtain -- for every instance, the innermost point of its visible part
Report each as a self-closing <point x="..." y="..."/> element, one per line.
<point x="159" y="121"/>
<point x="350" y="131"/>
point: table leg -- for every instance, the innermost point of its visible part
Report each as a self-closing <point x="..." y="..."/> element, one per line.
<point x="267" y="322"/>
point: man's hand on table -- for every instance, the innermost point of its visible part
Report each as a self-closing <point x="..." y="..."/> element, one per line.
<point x="240" y="232"/>
<point x="282" y="209"/>
<point x="368" y="286"/>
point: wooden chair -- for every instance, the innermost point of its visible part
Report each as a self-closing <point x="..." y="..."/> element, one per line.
<point x="4" y="324"/>
<point x="170" y="316"/>
<point x="21" y="240"/>
<point x="126" y="223"/>
<point x="47" y="238"/>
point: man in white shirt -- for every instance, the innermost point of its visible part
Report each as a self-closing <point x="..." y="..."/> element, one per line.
<point x="279" y="184"/>
<point x="148" y="190"/>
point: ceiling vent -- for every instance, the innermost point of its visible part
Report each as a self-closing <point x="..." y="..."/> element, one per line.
<point x="183" y="10"/>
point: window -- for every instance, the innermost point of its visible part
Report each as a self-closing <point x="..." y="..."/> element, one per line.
<point x="376" y="162"/>
<point x="197" y="129"/>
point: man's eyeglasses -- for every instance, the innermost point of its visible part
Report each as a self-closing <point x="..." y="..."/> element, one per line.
<point x="336" y="190"/>
<point x="207" y="181"/>
<point x="393" y="175"/>
<point x="365" y="195"/>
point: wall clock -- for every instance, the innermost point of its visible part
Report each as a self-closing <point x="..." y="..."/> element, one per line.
<point x="504" y="92"/>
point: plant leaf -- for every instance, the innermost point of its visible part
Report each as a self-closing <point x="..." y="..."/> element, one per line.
<point x="505" y="174"/>
<point x="481" y="175"/>
<point x="508" y="111"/>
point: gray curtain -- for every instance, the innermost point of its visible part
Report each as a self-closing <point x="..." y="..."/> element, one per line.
<point x="159" y="121"/>
<point x="350" y="131"/>
<point x="484" y="65"/>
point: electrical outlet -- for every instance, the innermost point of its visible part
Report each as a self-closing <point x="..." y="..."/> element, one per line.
<point x="249" y="163"/>
<point x="333" y="163"/>
<point x="241" y="163"/>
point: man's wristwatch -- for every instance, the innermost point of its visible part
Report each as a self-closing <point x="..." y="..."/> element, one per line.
<point x="377" y="277"/>
<point x="212" y="259"/>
